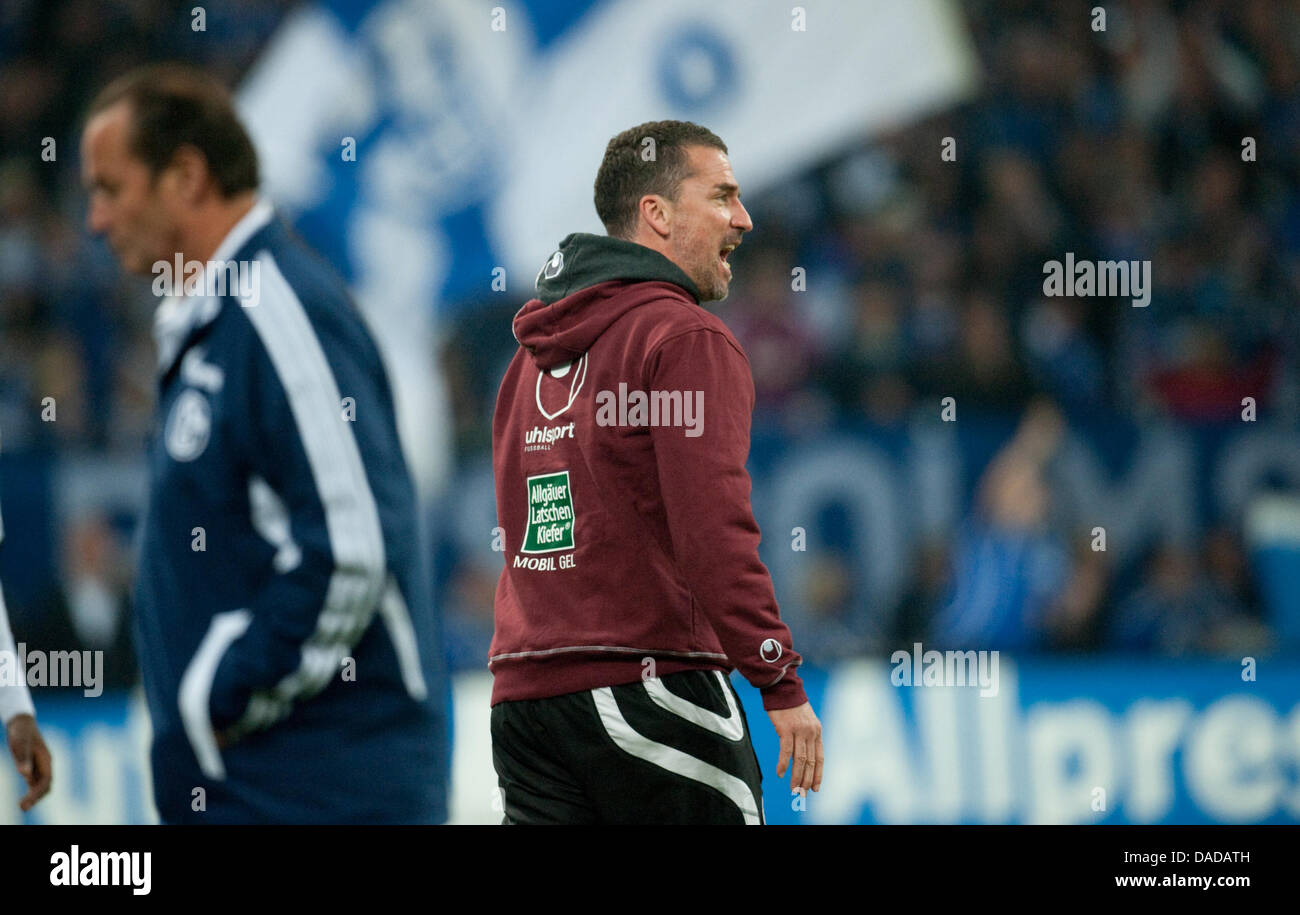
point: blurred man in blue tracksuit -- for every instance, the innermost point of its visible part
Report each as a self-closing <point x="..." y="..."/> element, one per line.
<point x="283" y="621"/>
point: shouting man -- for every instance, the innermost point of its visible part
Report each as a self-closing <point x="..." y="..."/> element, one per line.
<point x="632" y="583"/>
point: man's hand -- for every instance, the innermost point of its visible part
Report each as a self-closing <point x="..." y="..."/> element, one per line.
<point x="31" y="757"/>
<point x="801" y="737"/>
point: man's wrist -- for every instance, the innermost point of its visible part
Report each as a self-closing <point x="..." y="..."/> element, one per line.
<point x="14" y="716"/>
<point x="787" y="693"/>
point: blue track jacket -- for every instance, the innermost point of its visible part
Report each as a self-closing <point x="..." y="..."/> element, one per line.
<point x="283" y="600"/>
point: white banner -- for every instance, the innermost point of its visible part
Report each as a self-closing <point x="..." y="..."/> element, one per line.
<point x="782" y="85"/>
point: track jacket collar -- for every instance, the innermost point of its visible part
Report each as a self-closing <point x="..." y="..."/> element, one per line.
<point x="178" y="316"/>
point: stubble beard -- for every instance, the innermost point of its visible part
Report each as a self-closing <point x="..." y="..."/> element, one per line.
<point x="713" y="286"/>
<point x="717" y="286"/>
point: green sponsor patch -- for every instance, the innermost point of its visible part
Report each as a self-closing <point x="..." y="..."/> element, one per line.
<point x="550" y="514"/>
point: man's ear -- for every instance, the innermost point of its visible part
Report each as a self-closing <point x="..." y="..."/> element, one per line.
<point x="657" y="212"/>
<point x="188" y="172"/>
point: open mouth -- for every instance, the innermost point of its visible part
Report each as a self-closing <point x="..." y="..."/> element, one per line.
<point x="723" y="253"/>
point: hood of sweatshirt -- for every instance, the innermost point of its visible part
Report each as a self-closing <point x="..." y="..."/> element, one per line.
<point x="582" y="290"/>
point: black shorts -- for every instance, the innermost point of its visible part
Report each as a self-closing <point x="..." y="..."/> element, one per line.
<point x="671" y="749"/>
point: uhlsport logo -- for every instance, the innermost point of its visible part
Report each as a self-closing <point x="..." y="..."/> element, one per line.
<point x="540" y="438"/>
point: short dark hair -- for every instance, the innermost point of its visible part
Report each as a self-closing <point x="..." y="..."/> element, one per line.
<point x="173" y="105"/>
<point x="627" y="174"/>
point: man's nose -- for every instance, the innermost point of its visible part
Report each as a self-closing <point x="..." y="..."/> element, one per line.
<point x="96" y="218"/>
<point x="740" y="218"/>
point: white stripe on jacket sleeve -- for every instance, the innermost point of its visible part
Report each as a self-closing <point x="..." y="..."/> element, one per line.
<point x="357" y="582"/>
<point x="196" y="688"/>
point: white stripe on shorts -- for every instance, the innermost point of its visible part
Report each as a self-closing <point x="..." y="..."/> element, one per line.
<point x="732" y="727"/>
<point x="672" y="759"/>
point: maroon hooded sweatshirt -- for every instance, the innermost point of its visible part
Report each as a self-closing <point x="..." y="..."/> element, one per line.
<point x="619" y="447"/>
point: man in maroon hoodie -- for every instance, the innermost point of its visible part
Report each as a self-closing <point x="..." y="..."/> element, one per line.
<point x="632" y="584"/>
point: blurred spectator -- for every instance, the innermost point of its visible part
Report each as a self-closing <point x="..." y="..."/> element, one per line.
<point x="830" y="629"/>
<point x="925" y="594"/>
<point x="1076" y="618"/>
<point x="1063" y="361"/>
<point x="868" y="375"/>
<point x="1008" y="565"/>
<point x="985" y="371"/>
<point x="89" y="611"/>
<point x="781" y="354"/>
<point x="1174" y="610"/>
